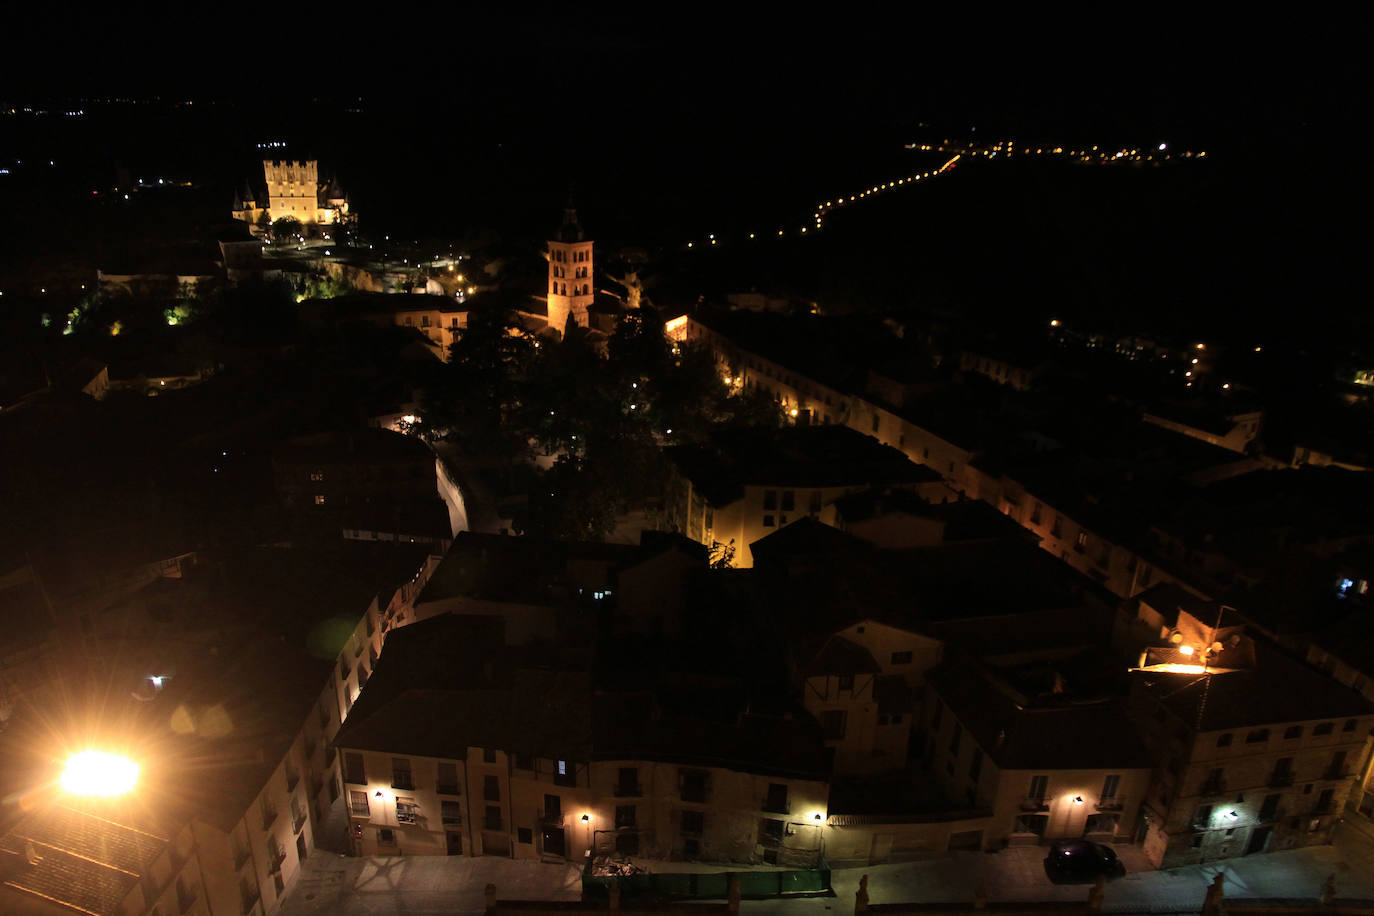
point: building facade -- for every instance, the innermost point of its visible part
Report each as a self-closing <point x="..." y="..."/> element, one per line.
<point x="571" y="275"/>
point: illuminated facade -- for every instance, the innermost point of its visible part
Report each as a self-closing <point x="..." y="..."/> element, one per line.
<point x="1044" y="767"/>
<point x="1256" y="751"/>
<point x="294" y="191"/>
<point x="571" y="272"/>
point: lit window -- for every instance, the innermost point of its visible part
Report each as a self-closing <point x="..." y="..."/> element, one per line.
<point x="562" y="768"/>
<point x="319" y="499"/>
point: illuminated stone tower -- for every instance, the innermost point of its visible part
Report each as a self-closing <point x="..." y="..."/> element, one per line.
<point x="570" y="274"/>
<point x="292" y="189"/>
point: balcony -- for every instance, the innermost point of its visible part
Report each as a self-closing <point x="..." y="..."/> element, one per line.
<point x="447" y="789"/>
<point x="297" y="821"/>
<point x="1323" y="807"/>
<point x="565" y="779"/>
<point x="275" y="858"/>
<point x="1113" y="803"/>
<point x="775" y="806"/>
<point x="269" y="815"/>
<point x="1341" y="772"/>
<point x="452" y="820"/>
<point x="1280" y="780"/>
<point x="628" y="790"/>
<point x="1034" y="804"/>
<point x="292" y="780"/>
<point x="359" y="810"/>
<point x="403" y="782"/>
<point x="551" y="818"/>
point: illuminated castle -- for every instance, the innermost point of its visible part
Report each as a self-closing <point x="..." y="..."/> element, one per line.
<point x="294" y="192"/>
<point x="570" y="274"/>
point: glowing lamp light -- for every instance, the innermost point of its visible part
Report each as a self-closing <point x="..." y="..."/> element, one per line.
<point x="586" y="818"/>
<point x="1185" y="650"/>
<point x="99" y="773"/>
<point x="793" y="411"/>
<point x="1054" y="322"/>
<point x="1078" y="799"/>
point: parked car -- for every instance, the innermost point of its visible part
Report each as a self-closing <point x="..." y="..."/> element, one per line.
<point x="1073" y="861"/>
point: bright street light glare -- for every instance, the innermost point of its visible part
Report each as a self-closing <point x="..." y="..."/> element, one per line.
<point x="99" y="773"/>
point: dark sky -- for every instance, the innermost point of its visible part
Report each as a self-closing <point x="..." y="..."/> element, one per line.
<point x="692" y="68"/>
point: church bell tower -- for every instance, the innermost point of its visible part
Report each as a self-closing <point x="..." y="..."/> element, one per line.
<point x="570" y="274"/>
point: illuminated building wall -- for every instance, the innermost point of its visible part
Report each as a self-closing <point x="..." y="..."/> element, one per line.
<point x="527" y="807"/>
<point x="294" y="192"/>
<point x="571" y="288"/>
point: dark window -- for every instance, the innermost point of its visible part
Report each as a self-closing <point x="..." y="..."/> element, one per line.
<point x="901" y="658"/>
<point x="447" y="783"/>
<point x="1259" y="735"/>
<point x="1224" y="740"/>
<point x="1039" y="785"/>
<point x="1292" y="731"/>
<point x="955" y="739"/>
<point x="386" y="836"/>
<point x="770" y="832"/>
<point x="768" y="521"/>
<point x="357" y="803"/>
<point x="627" y="783"/>
<point x="553" y="806"/>
<point x="353" y="769"/>
<point x="815" y="501"/>
<point x="524" y="835"/>
<point x="1325" y="728"/>
<point x="1109" y="787"/>
<point x="524" y="762"/>
<point x="846" y="682"/>
<point x="491" y="788"/>
<point x="788" y="500"/>
<point x="1349" y="725"/>
<point x="770" y="499"/>
<point x="776" y="802"/>
<point x="1057" y="529"/>
<point x="492" y="821"/>
<point x="1202" y="817"/>
<point x="1035" y="514"/>
<point x="976" y="766"/>
<point x="692" y="823"/>
<point x="451" y="812"/>
<point x="624" y="816"/>
<point x="400" y="773"/>
<point x="832" y="721"/>
<point x="488" y="755"/>
<point x="692" y="785"/>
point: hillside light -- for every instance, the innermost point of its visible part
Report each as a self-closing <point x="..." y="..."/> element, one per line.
<point x="98" y="773"/>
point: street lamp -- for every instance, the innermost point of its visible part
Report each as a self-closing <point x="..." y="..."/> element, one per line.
<point x="99" y="773"/>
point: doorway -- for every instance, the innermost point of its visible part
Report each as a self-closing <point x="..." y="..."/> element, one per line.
<point x="554" y="843"/>
<point x="1259" y="838"/>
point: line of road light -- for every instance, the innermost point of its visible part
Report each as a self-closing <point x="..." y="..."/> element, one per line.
<point x="1094" y="155"/>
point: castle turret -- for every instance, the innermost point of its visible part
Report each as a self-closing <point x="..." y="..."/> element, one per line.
<point x="570" y="273"/>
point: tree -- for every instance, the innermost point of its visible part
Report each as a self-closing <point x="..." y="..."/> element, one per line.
<point x="286" y="230"/>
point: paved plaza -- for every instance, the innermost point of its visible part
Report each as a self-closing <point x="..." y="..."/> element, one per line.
<point x="420" y="886"/>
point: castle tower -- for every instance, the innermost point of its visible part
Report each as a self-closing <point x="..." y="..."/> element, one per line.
<point x="570" y="274"/>
<point x="292" y="189"/>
